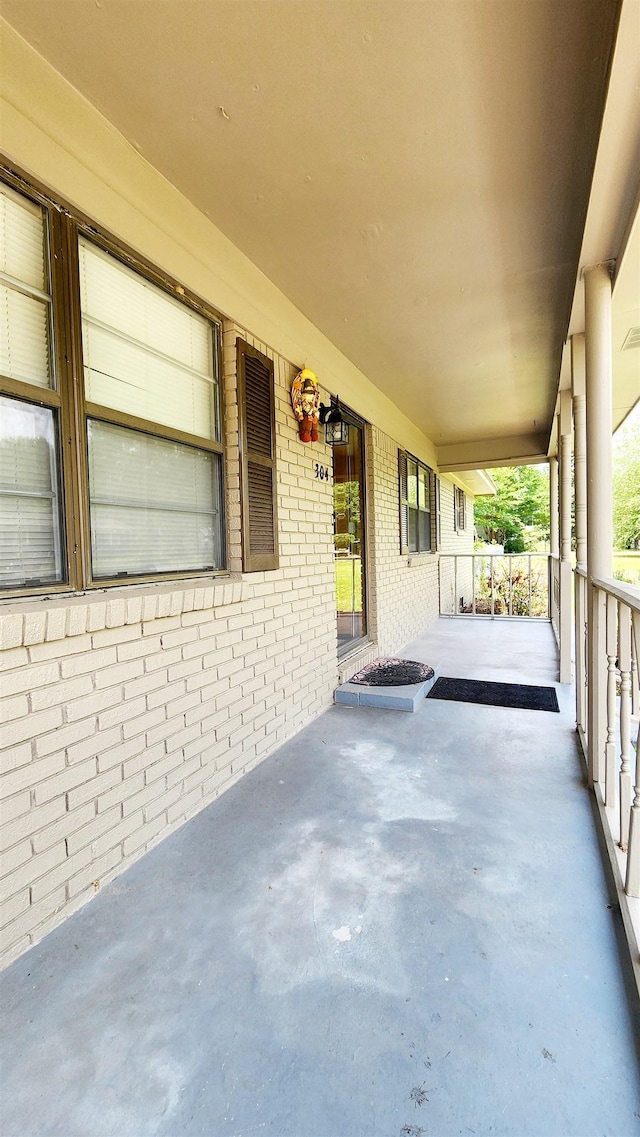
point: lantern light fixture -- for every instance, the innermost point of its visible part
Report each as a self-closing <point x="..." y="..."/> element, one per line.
<point x="336" y="429"/>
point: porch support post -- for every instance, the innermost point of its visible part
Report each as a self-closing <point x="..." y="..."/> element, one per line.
<point x="579" y="447"/>
<point x="565" y="536"/>
<point x="553" y="507"/>
<point x="598" y="367"/>
<point x="580" y="507"/>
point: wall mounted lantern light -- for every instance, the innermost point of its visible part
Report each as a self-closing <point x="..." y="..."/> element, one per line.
<point x="336" y="430"/>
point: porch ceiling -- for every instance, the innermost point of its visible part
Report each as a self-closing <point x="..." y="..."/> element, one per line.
<point x="413" y="176"/>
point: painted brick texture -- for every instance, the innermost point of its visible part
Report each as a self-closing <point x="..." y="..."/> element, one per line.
<point x="125" y="712"/>
<point x="404" y="588"/>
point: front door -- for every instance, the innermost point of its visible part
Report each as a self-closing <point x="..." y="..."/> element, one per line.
<point x="349" y="538"/>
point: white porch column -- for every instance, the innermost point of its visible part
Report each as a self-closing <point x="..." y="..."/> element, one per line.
<point x="580" y="509"/>
<point x="579" y="447"/>
<point x="597" y="286"/>
<point x="565" y="535"/>
<point x="553" y="507"/>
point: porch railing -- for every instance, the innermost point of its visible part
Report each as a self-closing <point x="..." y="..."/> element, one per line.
<point x="554" y="595"/>
<point x="495" y="584"/>
<point x="608" y="697"/>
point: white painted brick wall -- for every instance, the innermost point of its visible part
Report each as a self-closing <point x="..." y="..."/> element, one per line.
<point x="404" y="589"/>
<point x="126" y="712"/>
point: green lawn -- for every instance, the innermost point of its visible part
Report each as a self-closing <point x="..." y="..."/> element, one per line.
<point x="626" y="566"/>
<point x="348" y="584"/>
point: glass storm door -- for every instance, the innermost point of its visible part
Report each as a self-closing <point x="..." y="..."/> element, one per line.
<point x="348" y="538"/>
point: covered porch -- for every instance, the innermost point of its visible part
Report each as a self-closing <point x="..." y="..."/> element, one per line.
<point x="397" y="925"/>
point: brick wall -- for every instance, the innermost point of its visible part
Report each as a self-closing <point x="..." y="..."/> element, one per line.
<point x="404" y="588"/>
<point x="127" y="710"/>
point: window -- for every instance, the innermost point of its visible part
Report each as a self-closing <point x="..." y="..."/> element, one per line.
<point x="136" y="491"/>
<point x="415" y="481"/>
<point x="459" y="500"/>
<point x="31" y="547"/>
<point x="150" y="383"/>
<point x="256" y="423"/>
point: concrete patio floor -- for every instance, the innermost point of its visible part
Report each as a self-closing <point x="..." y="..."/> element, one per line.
<point x="397" y="926"/>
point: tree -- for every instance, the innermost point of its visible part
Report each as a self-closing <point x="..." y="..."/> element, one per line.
<point x="626" y="485"/>
<point x="520" y="506"/>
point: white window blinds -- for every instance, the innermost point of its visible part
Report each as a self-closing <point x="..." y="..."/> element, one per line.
<point x="30" y="543"/>
<point x="29" y="510"/>
<point x="25" y="297"/>
<point x="154" y="504"/>
<point x="154" y="501"/>
<point x="144" y="353"/>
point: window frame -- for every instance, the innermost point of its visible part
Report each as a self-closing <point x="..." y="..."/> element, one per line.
<point x="64" y="227"/>
<point x="459" y="510"/>
<point x="404" y="457"/>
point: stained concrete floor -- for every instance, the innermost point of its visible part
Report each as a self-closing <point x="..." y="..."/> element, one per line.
<point x="397" y="926"/>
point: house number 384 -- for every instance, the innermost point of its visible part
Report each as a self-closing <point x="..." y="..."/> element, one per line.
<point x="322" y="472"/>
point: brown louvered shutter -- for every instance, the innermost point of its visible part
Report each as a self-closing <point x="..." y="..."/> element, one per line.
<point x="256" y="422"/>
<point x="436" y="488"/>
<point x="404" y="508"/>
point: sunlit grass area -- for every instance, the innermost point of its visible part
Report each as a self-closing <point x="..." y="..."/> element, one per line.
<point x="626" y="566"/>
<point x="348" y="584"/>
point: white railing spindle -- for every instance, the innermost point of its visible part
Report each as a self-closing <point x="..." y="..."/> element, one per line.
<point x="612" y="677"/>
<point x="624" y="663"/>
<point x="632" y="883"/>
<point x="635" y="688"/>
<point x="581" y="652"/>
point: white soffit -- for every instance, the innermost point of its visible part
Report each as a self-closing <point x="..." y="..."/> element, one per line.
<point x="413" y="176"/>
<point x="476" y="482"/>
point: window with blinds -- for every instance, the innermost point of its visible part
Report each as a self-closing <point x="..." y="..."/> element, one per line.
<point x="30" y="530"/>
<point x="111" y="459"/>
<point x="155" y="504"/>
<point x="256" y="422"/>
<point x="415" y="485"/>
<point x="154" y="499"/>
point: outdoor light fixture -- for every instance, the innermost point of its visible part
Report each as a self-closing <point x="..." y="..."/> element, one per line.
<point x="336" y="430"/>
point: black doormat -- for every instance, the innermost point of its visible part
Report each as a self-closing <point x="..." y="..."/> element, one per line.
<point x="388" y="672"/>
<point x="495" y="694"/>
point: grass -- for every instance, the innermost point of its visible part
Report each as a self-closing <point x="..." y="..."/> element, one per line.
<point x="348" y="584"/>
<point x="626" y="566"/>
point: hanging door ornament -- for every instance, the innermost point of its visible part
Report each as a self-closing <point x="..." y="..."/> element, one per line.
<point x="305" y="400"/>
